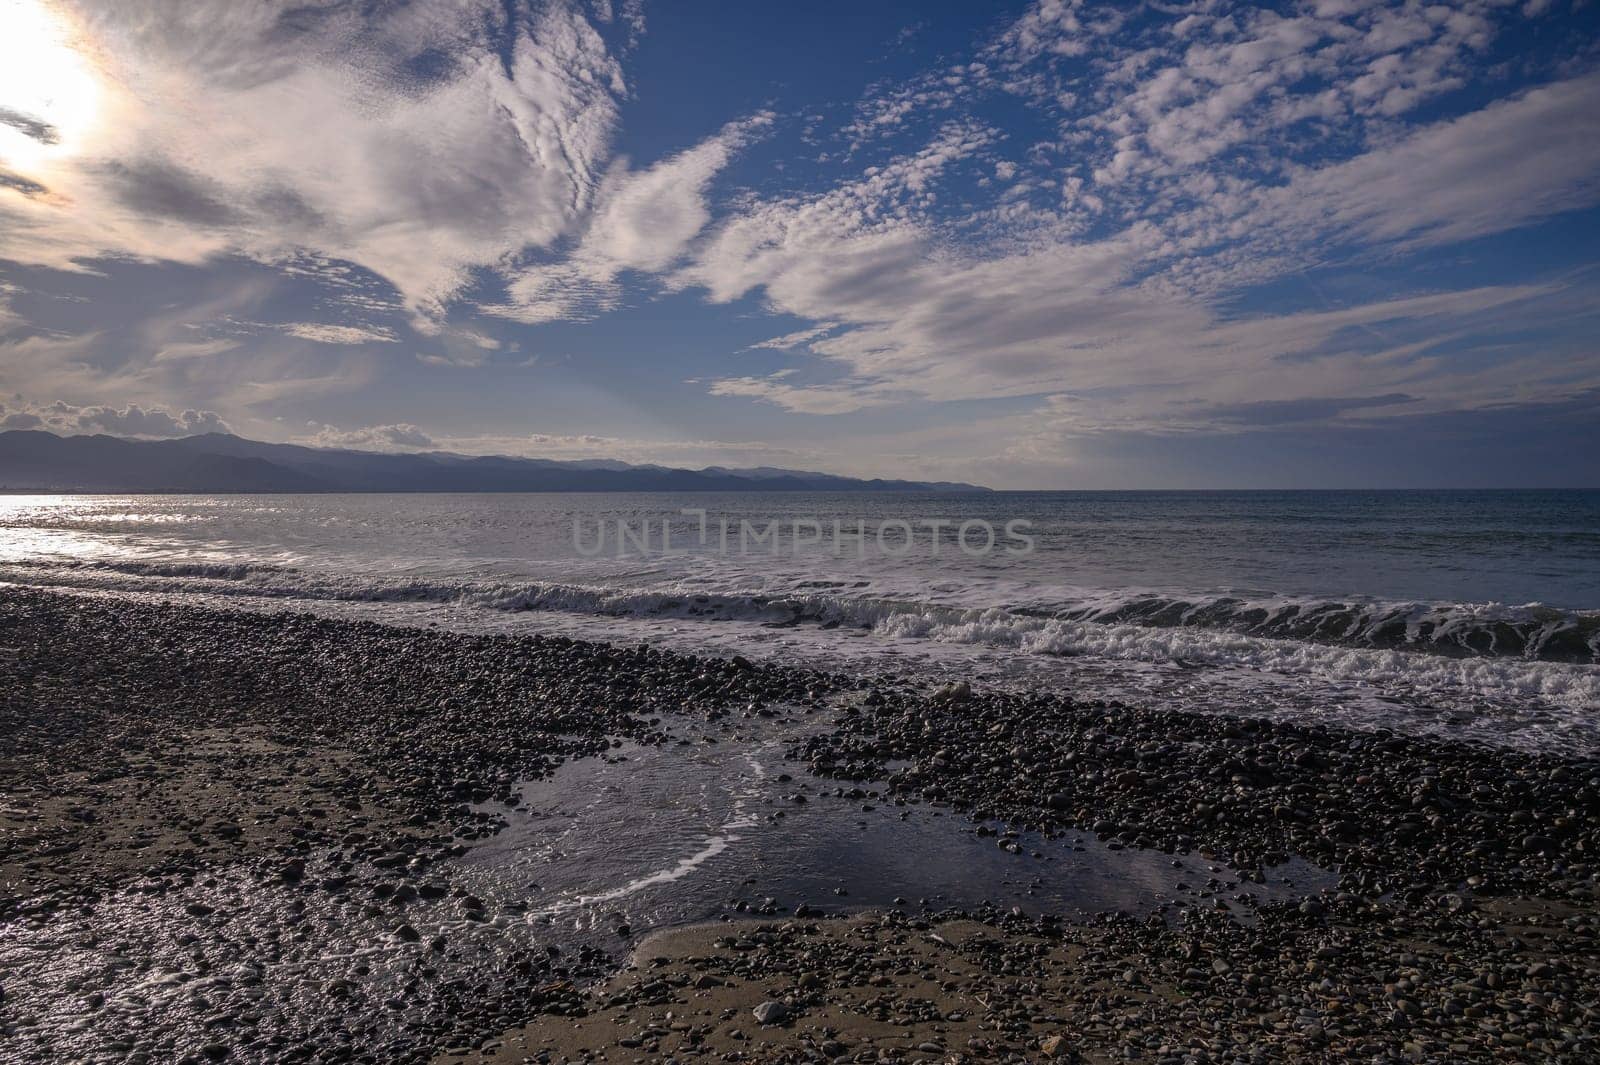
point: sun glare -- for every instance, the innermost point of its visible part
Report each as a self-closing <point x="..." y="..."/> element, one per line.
<point x="49" y="91"/>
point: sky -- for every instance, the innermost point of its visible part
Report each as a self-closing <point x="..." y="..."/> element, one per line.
<point x="1041" y="244"/>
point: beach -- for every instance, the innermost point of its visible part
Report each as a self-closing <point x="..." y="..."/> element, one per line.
<point x="271" y="836"/>
<point x="605" y="532"/>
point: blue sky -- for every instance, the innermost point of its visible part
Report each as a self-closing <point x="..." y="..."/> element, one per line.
<point x="1042" y="244"/>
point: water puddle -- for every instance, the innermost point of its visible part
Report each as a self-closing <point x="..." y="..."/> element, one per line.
<point x="715" y="826"/>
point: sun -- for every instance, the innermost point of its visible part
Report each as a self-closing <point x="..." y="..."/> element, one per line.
<point x="50" y="94"/>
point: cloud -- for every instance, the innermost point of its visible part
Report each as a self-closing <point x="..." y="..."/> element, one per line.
<point x="1115" y="298"/>
<point x="562" y="446"/>
<point x="1513" y="162"/>
<point x="1274" y="412"/>
<point x="920" y="320"/>
<point x="19" y="419"/>
<point x="1158" y="113"/>
<point x="193" y="349"/>
<point x="642" y="221"/>
<point x="468" y="358"/>
<point x="629" y="12"/>
<point x="1048" y="27"/>
<point x="323" y="333"/>
<point x="446" y="138"/>
<point x="397" y="437"/>
<point x="874" y="216"/>
<point x="796" y="339"/>
<point x="1192" y="89"/>
<point x="9" y="318"/>
<point x="801" y="400"/>
<point x="28" y="126"/>
<point x="463" y="347"/>
<point x="130" y="420"/>
<point x="638" y="450"/>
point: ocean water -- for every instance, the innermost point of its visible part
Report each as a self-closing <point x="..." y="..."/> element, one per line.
<point x="1469" y="614"/>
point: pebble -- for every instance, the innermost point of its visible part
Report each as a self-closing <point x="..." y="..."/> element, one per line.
<point x="770" y="1012"/>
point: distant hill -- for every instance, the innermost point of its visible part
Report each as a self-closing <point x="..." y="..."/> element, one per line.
<point x="34" y="461"/>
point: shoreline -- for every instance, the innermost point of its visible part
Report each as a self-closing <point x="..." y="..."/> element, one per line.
<point x="159" y="750"/>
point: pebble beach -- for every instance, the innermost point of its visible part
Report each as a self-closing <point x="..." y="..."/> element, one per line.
<point x="250" y="837"/>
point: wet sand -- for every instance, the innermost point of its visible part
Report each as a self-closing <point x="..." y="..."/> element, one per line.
<point x="1359" y="984"/>
<point x="231" y="836"/>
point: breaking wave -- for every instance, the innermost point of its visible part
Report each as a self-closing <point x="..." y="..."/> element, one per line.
<point x="1530" y="632"/>
<point x="1515" y="674"/>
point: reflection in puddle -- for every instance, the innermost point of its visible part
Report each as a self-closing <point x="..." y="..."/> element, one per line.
<point x="709" y="828"/>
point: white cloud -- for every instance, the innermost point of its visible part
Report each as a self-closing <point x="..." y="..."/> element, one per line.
<point x="324" y="333"/>
<point x="1492" y="170"/>
<point x="398" y="437"/>
<point x="1128" y="325"/>
<point x="1514" y="162"/>
<point x="1196" y="88"/>
<point x="1048" y="27"/>
<point x="877" y="214"/>
<point x="797" y="339"/>
<point x="800" y="399"/>
<point x="271" y="129"/>
<point x="468" y="358"/>
<point x="691" y="453"/>
<point x="642" y="221"/>
<point x="9" y="318"/>
<point x="131" y="420"/>
<point x="565" y="447"/>
<point x="917" y="318"/>
<point x="192" y="349"/>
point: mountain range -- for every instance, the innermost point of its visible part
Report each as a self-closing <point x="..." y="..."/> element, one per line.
<point x="32" y="460"/>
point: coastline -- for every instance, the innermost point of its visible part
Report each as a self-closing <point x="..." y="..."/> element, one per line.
<point x="339" y="769"/>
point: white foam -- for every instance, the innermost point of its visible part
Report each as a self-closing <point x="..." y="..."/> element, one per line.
<point x="1122" y="643"/>
<point x="729" y="835"/>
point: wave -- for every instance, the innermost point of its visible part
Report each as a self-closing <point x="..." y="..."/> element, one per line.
<point x="1124" y="645"/>
<point x="1504" y="681"/>
<point x="1491" y="630"/>
<point x="1530" y="632"/>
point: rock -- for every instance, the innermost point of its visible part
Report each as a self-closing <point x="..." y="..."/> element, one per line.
<point x="770" y="1013"/>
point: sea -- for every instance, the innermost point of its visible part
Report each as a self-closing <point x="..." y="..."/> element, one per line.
<point x="1468" y="614"/>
